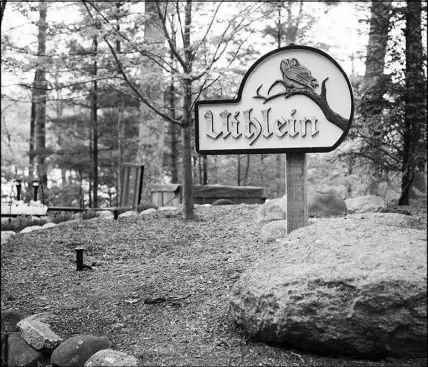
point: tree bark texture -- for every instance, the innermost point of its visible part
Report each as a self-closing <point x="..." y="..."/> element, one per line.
<point x="415" y="97"/>
<point x="151" y="128"/>
<point x="94" y="113"/>
<point x="39" y="98"/>
<point x="188" y="212"/>
<point x="375" y="64"/>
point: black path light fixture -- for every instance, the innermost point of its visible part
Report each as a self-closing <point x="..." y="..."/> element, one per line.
<point x="36" y="184"/>
<point x="79" y="258"/>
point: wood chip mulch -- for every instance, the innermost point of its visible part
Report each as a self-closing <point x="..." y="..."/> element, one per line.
<point x="157" y="286"/>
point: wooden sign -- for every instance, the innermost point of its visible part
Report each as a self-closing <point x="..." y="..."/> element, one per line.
<point x="293" y="99"/>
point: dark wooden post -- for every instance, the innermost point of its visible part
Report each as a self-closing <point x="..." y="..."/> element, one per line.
<point x="297" y="189"/>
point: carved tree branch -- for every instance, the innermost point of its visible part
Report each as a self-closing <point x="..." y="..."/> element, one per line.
<point x="319" y="99"/>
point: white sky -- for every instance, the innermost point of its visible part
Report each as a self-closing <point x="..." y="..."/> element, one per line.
<point x="337" y="28"/>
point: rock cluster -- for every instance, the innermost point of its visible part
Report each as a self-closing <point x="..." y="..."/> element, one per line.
<point x="31" y="342"/>
<point x="105" y="214"/>
<point x="324" y="203"/>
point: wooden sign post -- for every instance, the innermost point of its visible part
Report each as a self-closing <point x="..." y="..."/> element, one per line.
<point x="293" y="100"/>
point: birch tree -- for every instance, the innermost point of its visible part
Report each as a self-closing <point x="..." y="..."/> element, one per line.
<point x="194" y="70"/>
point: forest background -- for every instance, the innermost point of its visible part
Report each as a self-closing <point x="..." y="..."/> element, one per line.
<point x="88" y="86"/>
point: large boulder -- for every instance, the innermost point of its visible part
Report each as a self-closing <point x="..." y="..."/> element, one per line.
<point x="36" y="331"/>
<point x="340" y="286"/>
<point x="326" y="203"/>
<point x="365" y="204"/>
<point x="274" y="209"/>
<point x="111" y="358"/>
<point x="74" y="352"/>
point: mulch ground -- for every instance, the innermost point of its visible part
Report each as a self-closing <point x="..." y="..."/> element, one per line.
<point x="157" y="286"/>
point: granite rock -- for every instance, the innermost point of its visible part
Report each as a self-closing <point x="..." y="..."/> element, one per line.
<point x="111" y="358"/>
<point x="74" y="352"/>
<point x="341" y="286"/>
<point x="326" y="203"/>
<point x="36" y="331"/>
<point x="365" y="204"/>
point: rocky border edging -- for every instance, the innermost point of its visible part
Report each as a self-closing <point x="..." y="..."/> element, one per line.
<point x="29" y="341"/>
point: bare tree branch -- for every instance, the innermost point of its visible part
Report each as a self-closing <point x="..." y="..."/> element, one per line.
<point x="130" y="83"/>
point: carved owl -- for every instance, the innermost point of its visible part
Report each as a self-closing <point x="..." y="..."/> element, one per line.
<point x="297" y="76"/>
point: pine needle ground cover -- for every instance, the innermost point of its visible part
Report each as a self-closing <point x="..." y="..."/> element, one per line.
<point x="157" y="286"/>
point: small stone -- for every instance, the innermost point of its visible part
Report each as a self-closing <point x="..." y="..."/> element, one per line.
<point x="68" y="222"/>
<point x="128" y="214"/>
<point x="111" y="358"/>
<point x="5" y="235"/>
<point x="222" y="202"/>
<point x="31" y="229"/>
<point x="106" y="214"/>
<point x="326" y="203"/>
<point x="74" y="352"/>
<point x="148" y="211"/>
<point x="274" y="230"/>
<point x="49" y="225"/>
<point x="37" y="332"/>
<point x="167" y="208"/>
<point x="274" y="209"/>
<point x="365" y="204"/>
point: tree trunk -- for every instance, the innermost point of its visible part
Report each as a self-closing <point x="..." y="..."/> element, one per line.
<point x="375" y="64"/>
<point x="120" y="117"/>
<point x="151" y="129"/>
<point x="173" y="132"/>
<point x="188" y="212"/>
<point x="120" y="137"/>
<point x="94" y="112"/>
<point x="32" y="151"/>
<point x="414" y="97"/>
<point x="39" y="94"/>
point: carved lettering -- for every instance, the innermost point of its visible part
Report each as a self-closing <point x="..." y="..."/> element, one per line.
<point x="235" y="126"/>
<point x="314" y="126"/>
<point x="249" y="125"/>
<point x="225" y="124"/>
<point x="266" y="132"/>
<point x="313" y="122"/>
<point x="278" y="124"/>
<point x="292" y="122"/>
<point x="254" y="128"/>
<point x="209" y="116"/>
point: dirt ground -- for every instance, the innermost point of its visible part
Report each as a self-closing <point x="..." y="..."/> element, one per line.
<point x="157" y="286"/>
